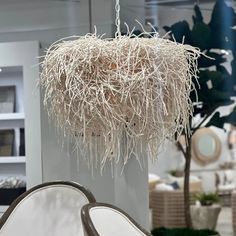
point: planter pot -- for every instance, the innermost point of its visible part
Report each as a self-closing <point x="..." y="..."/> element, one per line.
<point x="205" y="217"/>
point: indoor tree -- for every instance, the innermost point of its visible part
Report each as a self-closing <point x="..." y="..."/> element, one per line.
<point x="216" y="85"/>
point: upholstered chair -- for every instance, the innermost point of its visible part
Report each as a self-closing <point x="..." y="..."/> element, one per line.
<point x="101" y="219"/>
<point x="49" y="209"/>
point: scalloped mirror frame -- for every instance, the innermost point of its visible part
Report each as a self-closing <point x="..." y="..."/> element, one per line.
<point x="199" y="157"/>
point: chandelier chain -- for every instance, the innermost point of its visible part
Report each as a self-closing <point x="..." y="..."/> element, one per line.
<point x="117" y="21"/>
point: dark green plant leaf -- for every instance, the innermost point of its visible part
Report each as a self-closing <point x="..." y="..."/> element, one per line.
<point x="180" y="30"/>
<point x="201" y="35"/>
<point x="223" y="18"/>
<point x="198" y="15"/>
<point x="231" y="118"/>
<point x="233" y="75"/>
<point x="216" y="121"/>
<point x="216" y="60"/>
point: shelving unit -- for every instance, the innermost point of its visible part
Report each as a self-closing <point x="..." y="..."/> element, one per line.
<point x="9" y="120"/>
<point x="12" y="116"/>
<point x="12" y="160"/>
<point x="17" y="68"/>
<point x="13" y="164"/>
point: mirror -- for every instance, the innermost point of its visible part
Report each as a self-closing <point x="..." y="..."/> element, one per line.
<point x="206" y="146"/>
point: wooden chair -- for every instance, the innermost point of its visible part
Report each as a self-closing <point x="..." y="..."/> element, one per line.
<point x="100" y="219"/>
<point x="48" y="209"/>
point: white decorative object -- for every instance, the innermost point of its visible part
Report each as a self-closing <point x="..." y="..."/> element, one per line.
<point x="205" y="217"/>
<point x="130" y="87"/>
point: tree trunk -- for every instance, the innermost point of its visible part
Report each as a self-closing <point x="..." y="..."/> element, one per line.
<point x="186" y="183"/>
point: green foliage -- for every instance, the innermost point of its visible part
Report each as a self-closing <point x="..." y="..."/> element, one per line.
<point x="182" y="232"/>
<point x="207" y="199"/>
<point x="216" y="121"/>
<point x="201" y="35"/>
<point x="176" y="173"/>
<point x="215" y="86"/>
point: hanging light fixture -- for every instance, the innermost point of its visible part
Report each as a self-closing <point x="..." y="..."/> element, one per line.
<point x="119" y="97"/>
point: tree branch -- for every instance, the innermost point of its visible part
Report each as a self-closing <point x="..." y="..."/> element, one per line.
<point x="203" y="120"/>
<point x="181" y="148"/>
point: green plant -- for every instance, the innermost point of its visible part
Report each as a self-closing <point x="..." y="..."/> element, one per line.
<point x="183" y="232"/>
<point x="217" y="84"/>
<point x="175" y="173"/>
<point x="207" y="199"/>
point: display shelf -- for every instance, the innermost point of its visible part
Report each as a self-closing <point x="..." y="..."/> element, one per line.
<point x="12" y="116"/>
<point x="12" y="120"/>
<point x="25" y="121"/>
<point x="12" y="159"/>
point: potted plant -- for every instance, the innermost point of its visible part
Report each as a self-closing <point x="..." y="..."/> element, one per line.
<point x="206" y="211"/>
<point x="207" y="199"/>
<point x="176" y="173"/>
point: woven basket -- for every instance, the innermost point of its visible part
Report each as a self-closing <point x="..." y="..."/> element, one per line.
<point x="168" y="208"/>
<point x="233" y="206"/>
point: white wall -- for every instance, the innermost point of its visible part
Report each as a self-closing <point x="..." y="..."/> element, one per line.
<point x="48" y="21"/>
<point x="131" y="11"/>
<point x="169" y="158"/>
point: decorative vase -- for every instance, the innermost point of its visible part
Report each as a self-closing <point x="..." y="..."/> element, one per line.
<point x="205" y="217"/>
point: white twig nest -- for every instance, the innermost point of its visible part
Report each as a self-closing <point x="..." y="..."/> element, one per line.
<point x="105" y="91"/>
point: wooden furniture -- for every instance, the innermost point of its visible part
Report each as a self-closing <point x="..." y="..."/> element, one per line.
<point x="233" y="207"/>
<point x="101" y="219"/>
<point x="168" y="208"/>
<point x="49" y="209"/>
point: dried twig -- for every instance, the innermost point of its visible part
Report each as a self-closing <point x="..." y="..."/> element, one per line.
<point x="100" y="91"/>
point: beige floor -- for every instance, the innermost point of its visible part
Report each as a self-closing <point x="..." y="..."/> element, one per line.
<point x="224" y="225"/>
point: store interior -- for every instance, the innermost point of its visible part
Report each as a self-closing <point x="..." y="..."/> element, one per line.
<point x="35" y="151"/>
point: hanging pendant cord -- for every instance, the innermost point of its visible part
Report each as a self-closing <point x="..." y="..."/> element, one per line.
<point x="90" y="16"/>
<point x="117" y="21"/>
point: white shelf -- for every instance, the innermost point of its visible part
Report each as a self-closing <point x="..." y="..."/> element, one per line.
<point x="3" y="208"/>
<point x="10" y="159"/>
<point x="12" y="116"/>
<point x="12" y="120"/>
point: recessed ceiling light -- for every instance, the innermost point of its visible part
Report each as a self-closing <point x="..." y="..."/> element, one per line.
<point x="0" y="69"/>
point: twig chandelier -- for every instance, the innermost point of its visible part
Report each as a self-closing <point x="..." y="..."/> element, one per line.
<point x="119" y="97"/>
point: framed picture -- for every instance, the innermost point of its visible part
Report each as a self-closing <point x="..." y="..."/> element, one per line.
<point x="7" y="99"/>
<point x="6" y="142"/>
